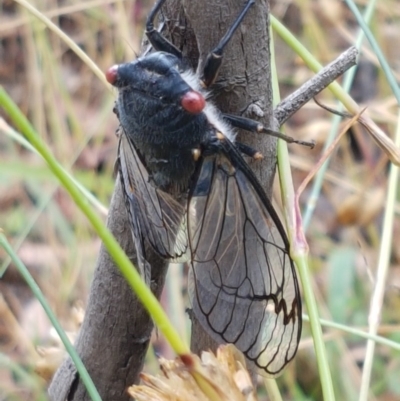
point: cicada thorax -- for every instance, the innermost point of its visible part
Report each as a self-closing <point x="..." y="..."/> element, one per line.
<point x="163" y="117"/>
<point x="172" y="161"/>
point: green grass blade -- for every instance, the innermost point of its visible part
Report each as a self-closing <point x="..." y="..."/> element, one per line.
<point x="84" y="375"/>
<point x="362" y="21"/>
<point x="299" y="253"/>
<point x="145" y="295"/>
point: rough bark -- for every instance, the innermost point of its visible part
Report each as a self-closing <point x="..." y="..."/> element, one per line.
<point x="244" y="83"/>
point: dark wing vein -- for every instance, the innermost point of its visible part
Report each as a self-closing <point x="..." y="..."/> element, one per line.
<point x="243" y="287"/>
<point x="155" y="215"/>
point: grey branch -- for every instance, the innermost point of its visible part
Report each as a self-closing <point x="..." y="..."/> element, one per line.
<point x="315" y="85"/>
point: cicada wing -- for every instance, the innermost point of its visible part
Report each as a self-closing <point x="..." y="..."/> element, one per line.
<point x="155" y="215"/>
<point x="243" y="284"/>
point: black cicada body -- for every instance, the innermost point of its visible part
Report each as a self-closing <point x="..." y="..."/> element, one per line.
<point x="192" y="196"/>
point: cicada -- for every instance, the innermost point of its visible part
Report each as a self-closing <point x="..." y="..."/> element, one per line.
<point x="192" y="196"/>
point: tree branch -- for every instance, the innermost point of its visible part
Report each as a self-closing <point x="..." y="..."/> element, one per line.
<point x="315" y="85"/>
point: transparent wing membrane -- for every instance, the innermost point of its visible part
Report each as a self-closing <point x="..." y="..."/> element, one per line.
<point x="155" y="215"/>
<point x="243" y="283"/>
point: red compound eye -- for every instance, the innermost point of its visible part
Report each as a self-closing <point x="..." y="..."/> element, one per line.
<point x="111" y="74"/>
<point x="193" y="102"/>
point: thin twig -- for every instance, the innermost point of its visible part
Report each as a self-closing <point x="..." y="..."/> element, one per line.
<point x="315" y="85"/>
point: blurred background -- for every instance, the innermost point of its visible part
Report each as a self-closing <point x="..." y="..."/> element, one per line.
<point x="72" y="110"/>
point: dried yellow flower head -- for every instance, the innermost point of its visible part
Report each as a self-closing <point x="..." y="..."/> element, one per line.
<point x="221" y="377"/>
